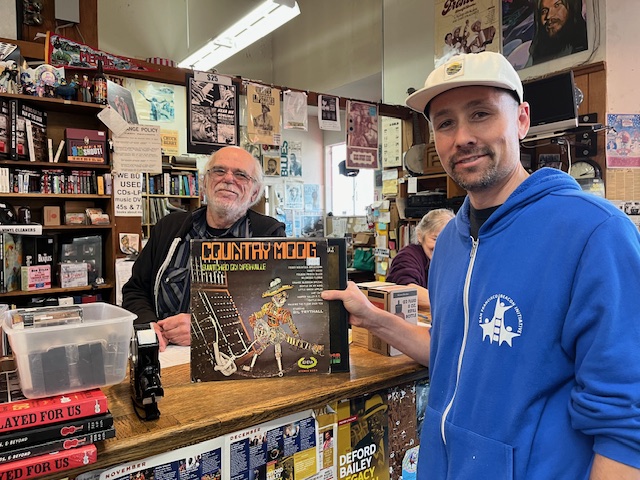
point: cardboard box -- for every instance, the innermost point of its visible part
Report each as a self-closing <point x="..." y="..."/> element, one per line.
<point x="397" y="299"/>
<point x="359" y="335"/>
<point x="73" y="275"/>
<point x="86" y="146"/>
<point x="51" y="216"/>
<point x="36" y="277"/>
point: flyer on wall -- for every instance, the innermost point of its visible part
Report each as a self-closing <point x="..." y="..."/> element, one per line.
<point x="461" y="27"/>
<point x="362" y="135"/>
<point x="623" y="140"/>
<point x="294" y="114"/>
<point x="212" y="114"/>
<point x="329" y="113"/>
<point x="263" y="114"/>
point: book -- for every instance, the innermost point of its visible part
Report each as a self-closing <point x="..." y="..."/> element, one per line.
<point x="36" y="120"/>
<point x="48" y="464"/>
<point x="44" y="411"/>
<point x="17" y="131"/>
<point x="363" y="437"/>
<point x="257" y="310"/>
<point x="4" y="129"/>
<point x="57" y="445"/>
<point x="20" y="439"/>
<point x="12" y="261"/>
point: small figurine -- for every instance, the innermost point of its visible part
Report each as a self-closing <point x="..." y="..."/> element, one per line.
<point x="66" y="91"/>
<point x="85" y="89"/>
<point x="9" y="78"/>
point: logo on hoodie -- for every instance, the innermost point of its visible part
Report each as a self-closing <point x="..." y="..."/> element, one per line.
<point x="500" y="320"/>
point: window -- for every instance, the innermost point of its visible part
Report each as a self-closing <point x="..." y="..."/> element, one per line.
<point x="348" y="195"/>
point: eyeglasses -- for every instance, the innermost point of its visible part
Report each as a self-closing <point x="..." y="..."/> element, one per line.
<point x="242" y="178"/>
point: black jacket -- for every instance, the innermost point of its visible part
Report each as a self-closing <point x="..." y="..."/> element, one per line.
<point x="139" y="294"/>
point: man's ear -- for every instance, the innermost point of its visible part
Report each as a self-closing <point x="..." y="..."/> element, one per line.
<point x="524" y="120"/>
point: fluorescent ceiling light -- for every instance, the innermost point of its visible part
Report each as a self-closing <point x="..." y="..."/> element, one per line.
<point x="263" y="20"/>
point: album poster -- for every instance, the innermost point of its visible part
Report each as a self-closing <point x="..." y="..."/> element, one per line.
<point x="463" y="27"/>
<point x="362" y="135"/>
<point x="121" y="101"/>
<point x="257" y="310"/>
<point x="212" y="114"/>
<point x="531" y="36"/>
<point x="263" y="114"/>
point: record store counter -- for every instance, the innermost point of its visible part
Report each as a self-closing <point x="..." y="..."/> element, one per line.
<point x="195" y="412"/>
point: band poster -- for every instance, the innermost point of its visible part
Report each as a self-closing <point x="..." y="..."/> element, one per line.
<point x="466" y="27"/>
<point x="362" y="135"/>
<point x="212" y="112"/>
<point x="391" y="142"/>
<point x="257" y="310"/>
<point x="263" y="114"/>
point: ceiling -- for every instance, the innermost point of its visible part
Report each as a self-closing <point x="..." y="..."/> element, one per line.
<point x="140" y="29"/>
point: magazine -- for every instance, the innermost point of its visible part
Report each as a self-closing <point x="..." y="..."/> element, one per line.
<point x="256" y="308"/>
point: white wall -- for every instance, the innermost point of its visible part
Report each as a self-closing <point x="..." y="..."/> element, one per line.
<point x="623" y="67"/>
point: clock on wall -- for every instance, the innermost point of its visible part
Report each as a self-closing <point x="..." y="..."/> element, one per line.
<point x="585" y="169"/>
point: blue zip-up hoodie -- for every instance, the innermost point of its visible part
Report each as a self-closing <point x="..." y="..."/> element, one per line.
<point x="535" y="350"/>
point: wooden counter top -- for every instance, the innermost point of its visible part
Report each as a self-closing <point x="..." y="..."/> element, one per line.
<point x="191" y="413"/>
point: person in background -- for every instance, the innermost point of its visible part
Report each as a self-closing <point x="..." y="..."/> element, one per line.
<point x="533" y="351"/>
<point x="411" y="264"/>
<point x="159" y="288"/>
<point x="560" y="30"/>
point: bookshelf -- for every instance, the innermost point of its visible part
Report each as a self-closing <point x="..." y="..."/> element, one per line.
<point x="37" y="191"/>
<point x="177" y="187"/>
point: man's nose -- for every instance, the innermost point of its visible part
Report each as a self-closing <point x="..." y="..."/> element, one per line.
<point x="465" y="134"/>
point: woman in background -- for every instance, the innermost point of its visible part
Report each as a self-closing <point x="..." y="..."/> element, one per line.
<point x="411" y="265"/>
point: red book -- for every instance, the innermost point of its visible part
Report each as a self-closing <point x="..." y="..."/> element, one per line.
<point x="46" y="465"/>
<point x="44" y="411"/>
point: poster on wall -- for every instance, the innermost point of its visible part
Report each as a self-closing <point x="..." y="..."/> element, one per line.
<point x="291" y="159"/>
<point x="329" y="113"/>
<point x="623" y="140"/>
<point x="466" y="27"/>
<point x="212" y="114"/>
<point x="271" y="160"/>
<point x="294" y="111"/>
<point x="155" y="102"/>
<point x="293" y="195"/>
<point x="362" y="135"/>
<point x="537" y="32"/>
<point x="263" y="114"/>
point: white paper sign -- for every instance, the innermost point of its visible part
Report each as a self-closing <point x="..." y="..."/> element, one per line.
<point x="139" y="149"/>
<point x="127" y="194"/>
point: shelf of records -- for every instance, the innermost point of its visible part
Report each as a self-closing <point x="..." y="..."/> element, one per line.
<point x="57" y="181"/>
<point x="50" y="264"/>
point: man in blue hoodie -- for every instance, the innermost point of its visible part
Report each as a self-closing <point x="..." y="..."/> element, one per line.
<point x="534" y="352"/>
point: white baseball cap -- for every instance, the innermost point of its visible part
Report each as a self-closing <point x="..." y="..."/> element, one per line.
<point x="488" y="69"/>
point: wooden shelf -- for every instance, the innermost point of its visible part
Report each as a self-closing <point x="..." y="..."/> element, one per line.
<point x="62" y="165"/>
<point x="159" y="195"/>
<point x="56" y="290"/>
<point x="74" y="196"/>
<point x="54" y="228"/>
<point x="57" y="104"/>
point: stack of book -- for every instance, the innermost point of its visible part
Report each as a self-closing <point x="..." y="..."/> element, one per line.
<point x="42" y="436"/>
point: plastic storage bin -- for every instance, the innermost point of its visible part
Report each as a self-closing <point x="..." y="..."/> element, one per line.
<point x="53" y="360"/>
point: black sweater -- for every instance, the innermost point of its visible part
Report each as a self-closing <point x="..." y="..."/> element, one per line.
<point x="138" y="295"/>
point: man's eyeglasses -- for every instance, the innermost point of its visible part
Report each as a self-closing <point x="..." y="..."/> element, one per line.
<point x="243" y="178"/>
